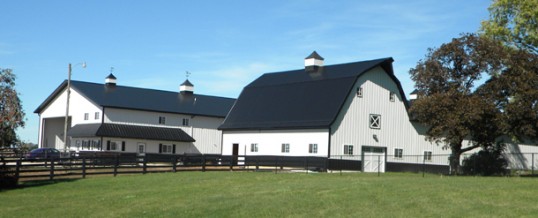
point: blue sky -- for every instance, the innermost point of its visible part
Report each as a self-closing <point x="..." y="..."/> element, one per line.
<point x="223" y="44"/>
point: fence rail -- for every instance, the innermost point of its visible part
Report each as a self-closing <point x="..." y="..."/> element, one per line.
<point x="109" y="163"/>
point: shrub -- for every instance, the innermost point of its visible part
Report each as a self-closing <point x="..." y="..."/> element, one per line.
<point x="487" y="162"/>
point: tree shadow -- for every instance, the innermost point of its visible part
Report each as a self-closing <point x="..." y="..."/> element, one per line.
<point x="37" y="183"/>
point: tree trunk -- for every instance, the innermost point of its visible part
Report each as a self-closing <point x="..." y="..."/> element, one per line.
<point x="454" y="159"/>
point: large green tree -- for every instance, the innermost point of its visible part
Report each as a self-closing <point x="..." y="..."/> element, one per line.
<point x="11" y="112"/>
<point x="449" y="104"/>
<point x="515" y="90"/>
<point x="514" y="22"/>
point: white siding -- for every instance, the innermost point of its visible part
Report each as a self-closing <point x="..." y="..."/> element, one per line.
<point x="352" y="124"/>
<point x="52" y="118"/>
<point x="203" y="129"/>
<point x="270" y="142"/>
<point x="131" y="145"/>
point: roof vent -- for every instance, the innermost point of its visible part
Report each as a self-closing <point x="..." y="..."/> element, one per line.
<point x="186" y="87"/>
<point x="110" y="80"/>
<point x="313" y="62"/>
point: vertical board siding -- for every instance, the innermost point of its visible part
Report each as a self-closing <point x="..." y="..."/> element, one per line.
<point x="352" y="124"/>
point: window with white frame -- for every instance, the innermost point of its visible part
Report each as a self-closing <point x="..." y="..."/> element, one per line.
<point x="392" y="96"/>
<point x="375" y="121"/>
<point x="398" y="153"/>
<point x="167" y="149"/>
<point x="97" y="115"/>
<point x="348" y="149"/>
<point x="313" y="148"/>
<point x="427" y="155"/>
<point x="113" y="146"/>
<point x="359" y="92"/>
<point x="86" y="116"/>
<point x="254" y="147"/>
<point x="185" y="122"/>
<point x="285" y="148"/>
<point x="162" y="120"/>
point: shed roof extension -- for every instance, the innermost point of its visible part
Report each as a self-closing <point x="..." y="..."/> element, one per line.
<point x="146" y="99"/>
<point x="298" y="99"/>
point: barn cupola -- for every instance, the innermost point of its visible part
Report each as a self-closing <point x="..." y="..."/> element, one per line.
<point x="110" y="80"/>
<point x="313" y="62"/>
<point x="413" y="95"/>
<point x="186" y="87"/>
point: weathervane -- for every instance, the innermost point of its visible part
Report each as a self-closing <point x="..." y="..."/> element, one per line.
<point x="187" y="74"/>
<point x="111" y="70"/>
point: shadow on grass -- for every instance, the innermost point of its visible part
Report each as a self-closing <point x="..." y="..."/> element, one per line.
<point x="37" y="183"/>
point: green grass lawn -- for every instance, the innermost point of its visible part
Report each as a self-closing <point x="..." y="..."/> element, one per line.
<point x="250" y="194"/>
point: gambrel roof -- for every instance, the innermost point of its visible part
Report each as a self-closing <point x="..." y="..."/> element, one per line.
<point x="298" y="99"/>
<point x="146" y="99"/>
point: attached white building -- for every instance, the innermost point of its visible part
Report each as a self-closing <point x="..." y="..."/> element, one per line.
<point x="109" y="117"/>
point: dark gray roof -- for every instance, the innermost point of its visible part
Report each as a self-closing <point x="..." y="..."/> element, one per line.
<point x="299" y="99"/>
<point x="111" y="76"/>
<point x="146" y="99"/>
<point x="129" y="131"/>
<point x="186" y="83"/>
<point x="315" y="55"/>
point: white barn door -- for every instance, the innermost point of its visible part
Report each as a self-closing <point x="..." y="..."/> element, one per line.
<point x="373" y="159"/>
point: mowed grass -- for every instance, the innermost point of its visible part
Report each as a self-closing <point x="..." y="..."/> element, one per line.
<point x="256" y="194"/>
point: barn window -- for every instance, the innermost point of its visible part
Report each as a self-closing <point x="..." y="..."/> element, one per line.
<point x="375" y="121"/>
<point x="398" y="153"/>
<point x="359" y="92"/>
<point x="285" y="148"/>
<point x="348" y="149"/>
<point x="113" y="146"/>
<point x="86" y="116"/>
<point x="254" y="147"/>
<point x="185" y="122"/>
<point x="167" y="149"/>
<point x="313" y="148"/>
<point x="392" y="96"/>
<point x="162" y="120"/>
<point x="427" y="155"/>
<point x="96" y="115"/>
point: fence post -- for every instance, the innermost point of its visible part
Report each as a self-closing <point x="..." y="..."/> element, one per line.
<point x="340" y="165"/>
<point x="257" y="163"/>
<point x="276" y="165"/>
<point x="231" y="162"/>
<point x="116" y="165"/>
<point x="174" y="164"/>
<point x="83" y="167"/>
<point x="532" y="172"/>
<point x="423" y="165"/>
<point x="203" y="163"/>
<point x="144" y="164"/>
<point x="51" y="176"/>
<point x="378" y="165"/>
<point x="17" y="168"/>
<point x="306" y="163"/>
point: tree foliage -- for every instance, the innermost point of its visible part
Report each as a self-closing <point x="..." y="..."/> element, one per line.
<point x="11" y="112"/>
<point x="514" y="91"/>
<point x="487" y="162"/>
<point x="514" y="22"/>
<point x="449" y="103"/>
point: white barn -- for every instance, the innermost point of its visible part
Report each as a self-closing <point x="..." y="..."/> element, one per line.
<point x="355" y="114"/>
<point x="109" y="117"/>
